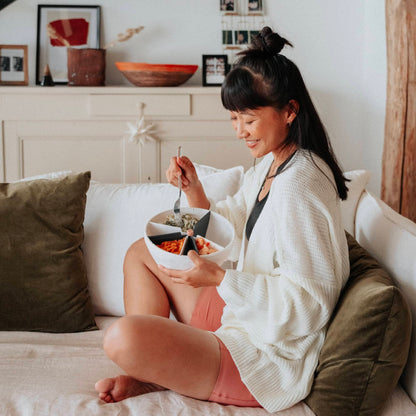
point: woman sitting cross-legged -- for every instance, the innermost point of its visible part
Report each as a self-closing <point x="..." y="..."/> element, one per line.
<point x="249" y="336"/>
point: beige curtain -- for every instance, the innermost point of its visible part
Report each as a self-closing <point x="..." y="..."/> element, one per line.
<point x="398" y="186"/>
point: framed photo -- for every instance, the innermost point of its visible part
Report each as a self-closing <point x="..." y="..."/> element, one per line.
<point x="253" y="34"/>
<point x="13" y="65"/>
<point x="255" y="6"/>
<point x="228" y="5"/>
<point x="214" y="69"/>
<point x="227" y="37"/>
<point x="241" y="37"/>
<point x="60" y="27"/>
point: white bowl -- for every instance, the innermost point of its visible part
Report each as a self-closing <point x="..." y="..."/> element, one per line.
<point x="219" y="231"/>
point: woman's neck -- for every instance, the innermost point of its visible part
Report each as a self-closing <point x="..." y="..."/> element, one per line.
<point x="280" y="155"/>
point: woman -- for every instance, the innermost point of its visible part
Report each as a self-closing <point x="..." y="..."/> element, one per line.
<point x="250" y="336"/>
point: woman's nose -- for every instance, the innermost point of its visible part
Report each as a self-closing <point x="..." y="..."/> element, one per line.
<point x="241" y="132"/>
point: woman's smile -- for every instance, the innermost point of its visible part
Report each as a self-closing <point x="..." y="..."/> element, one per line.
<point x="251" y="142"/>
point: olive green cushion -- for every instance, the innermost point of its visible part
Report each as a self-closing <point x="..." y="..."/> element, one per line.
<point x="367" y="343"/>
<point x="43" y="280"/>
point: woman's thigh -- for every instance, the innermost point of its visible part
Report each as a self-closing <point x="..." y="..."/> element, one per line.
<point x="162" y="351"/>
<point x="182" y="298"/>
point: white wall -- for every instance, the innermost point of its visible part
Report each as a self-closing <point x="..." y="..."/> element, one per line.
<point x="339" y="48"/>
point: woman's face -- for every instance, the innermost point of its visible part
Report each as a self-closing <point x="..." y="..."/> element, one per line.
<point x="263" y="129"/>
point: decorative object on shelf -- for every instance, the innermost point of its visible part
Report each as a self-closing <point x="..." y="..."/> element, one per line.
<point x="47" y="80"/>
<point x="60" y="27"/>
<point x="240" y="25"/>
<point x="139" y="132"/>
<point x="156" y="75"/>
<point x="13" y="65"/>
<point x="122" y="37"/>
<point x="86" y="67"/>
<point x="214" y="69"/>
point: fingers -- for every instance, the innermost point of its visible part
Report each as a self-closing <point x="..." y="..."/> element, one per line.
<point x="188" y="170"/>
<point x="173" y="171"/>
<point x="178" y="276"/>
<point x="194" y="257"/>
<point x="185" y="163"/>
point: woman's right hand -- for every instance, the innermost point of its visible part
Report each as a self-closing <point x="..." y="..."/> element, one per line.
<point x="191" y="184"/>
<point x="183" y="166"/>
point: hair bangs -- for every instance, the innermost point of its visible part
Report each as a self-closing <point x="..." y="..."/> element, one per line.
<point x="242" y="90"/>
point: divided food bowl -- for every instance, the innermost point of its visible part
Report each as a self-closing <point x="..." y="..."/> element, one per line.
<point x="214" y="228"/>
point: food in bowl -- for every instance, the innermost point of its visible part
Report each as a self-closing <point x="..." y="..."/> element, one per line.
<point x="204" y="246"/>
<point x="173" y="246"/>
<point x="188" y="220"/>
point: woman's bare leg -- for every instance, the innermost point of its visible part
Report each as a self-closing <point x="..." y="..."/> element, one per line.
<point x="157" y="354"/>
<point x="148" y="291"/>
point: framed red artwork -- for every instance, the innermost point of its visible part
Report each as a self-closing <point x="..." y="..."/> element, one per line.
<point x="60" y="27"/>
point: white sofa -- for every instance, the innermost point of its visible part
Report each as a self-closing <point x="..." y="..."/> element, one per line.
<point x="54" y="374"/>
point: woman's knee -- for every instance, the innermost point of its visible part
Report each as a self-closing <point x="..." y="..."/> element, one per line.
<point x="126" y="337"/>
<point x="137" y="248"/>
<point x="118" y="338"/>
<point x="136" y="252"/>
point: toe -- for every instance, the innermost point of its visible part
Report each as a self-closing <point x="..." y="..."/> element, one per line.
<point x="105" y="385"/>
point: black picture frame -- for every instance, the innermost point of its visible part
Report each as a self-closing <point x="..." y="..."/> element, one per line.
<point x="51" y="43"/>
<point x="214" y="70"/>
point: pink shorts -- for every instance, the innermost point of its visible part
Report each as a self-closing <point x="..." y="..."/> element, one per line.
<point x="228" y="389"/>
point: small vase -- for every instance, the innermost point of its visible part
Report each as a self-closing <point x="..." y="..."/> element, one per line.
<point x="86" y="67"/>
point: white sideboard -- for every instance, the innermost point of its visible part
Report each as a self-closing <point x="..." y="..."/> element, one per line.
<point x="47" y="129"/>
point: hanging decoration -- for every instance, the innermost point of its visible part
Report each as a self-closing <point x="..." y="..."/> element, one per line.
<point x="140" y="131"/>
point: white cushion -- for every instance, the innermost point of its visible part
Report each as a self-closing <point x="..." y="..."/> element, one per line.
<point x="391" y="239"/>
<point x="359" y="180"/>
<point x="205" y="170"/>
<point x="115" y="217"/>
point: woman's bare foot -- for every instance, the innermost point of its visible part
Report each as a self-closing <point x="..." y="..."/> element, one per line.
<point x="122" y="387"/>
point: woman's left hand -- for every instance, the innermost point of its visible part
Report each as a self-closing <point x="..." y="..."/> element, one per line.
<point x="204" y="272"/>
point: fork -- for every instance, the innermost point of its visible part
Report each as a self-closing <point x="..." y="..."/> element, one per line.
<point x="176" y="206"/>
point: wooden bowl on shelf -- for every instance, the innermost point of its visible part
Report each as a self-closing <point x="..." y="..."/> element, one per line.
<point x="156" y="75"/>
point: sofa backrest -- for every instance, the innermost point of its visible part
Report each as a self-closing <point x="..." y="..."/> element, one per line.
<point x="391" y="240"/>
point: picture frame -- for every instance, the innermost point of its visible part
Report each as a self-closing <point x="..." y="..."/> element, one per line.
<point x="252" y="35"/>
<point x="255" y="6"/>
<point x="214" y="69"/>
<point x="241" y="37"/>
<point x="54" y="37"/>
<point x="227" y="37"/>
<point x="13" y="65"/>
<point x="228" y="6"/>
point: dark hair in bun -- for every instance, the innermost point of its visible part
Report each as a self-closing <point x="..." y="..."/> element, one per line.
<point x="269" y="42"/>
<point x="263" y="77"/>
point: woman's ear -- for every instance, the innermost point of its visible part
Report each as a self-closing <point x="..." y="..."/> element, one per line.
<point x="293" y="110"/>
